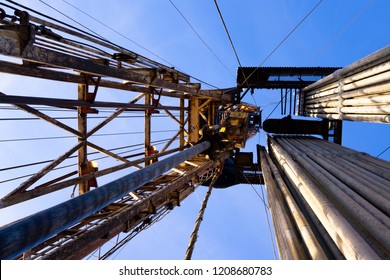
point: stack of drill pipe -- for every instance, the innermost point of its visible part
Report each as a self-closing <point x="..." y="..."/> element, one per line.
<point x="358" y="92"/>
<point x="348" y="191"/>
<point x="294" y="236"/>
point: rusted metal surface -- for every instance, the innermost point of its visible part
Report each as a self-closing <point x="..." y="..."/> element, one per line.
<point x="52" y="51"/>
<point x="57" y="102"/>
<point x="25" y="185"/>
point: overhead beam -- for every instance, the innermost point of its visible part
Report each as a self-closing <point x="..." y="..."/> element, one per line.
<point x="59" y="102"/>
<point x="62" y="60"/>
<point x="280" y="77"/>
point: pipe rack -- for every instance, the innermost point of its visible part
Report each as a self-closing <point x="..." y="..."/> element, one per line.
<point x="358" y="92"/>
<point x="348" y="191"/>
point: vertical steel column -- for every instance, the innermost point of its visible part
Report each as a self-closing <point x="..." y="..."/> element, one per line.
<point x="82" y="128"/>
<point x="147" y="124"/>
<point x="182" y="111"/>
<point x="24" y="234"/>
<point x="193" y="125"/>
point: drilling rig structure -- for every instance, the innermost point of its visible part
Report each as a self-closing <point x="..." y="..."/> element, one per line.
<point x="326" y="201"/>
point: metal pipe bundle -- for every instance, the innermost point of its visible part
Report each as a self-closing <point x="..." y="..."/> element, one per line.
<point x="358" y="92"/>
<point x="294" y="236"/>
<point x="348" y="191"/>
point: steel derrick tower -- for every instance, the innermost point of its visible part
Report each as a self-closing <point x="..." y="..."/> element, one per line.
<point x="326" y="201"/>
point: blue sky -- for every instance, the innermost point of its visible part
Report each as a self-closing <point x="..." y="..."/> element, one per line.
<point x="337" y="33"/>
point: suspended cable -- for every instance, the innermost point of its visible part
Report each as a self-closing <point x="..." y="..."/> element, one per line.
<point x="65" y="137"/>
<point x="52" y="18"/>
<point x="99" y="37"/>
<point x="117" y="32"/>
<point x="249" y="183"/>
<point x="266" y="209"/>
<point x="156" y="143"/>
<point x="276" y="106"/>
<point x="383" y="152"/>
<point x="254" y="100"/>
<point x="231" y="41"/>
<point x="119" y="246"/>
<point x="127" y="111"/>
<point x="194" y="234"/>
<point x="331" y="42"/>
<point x="273" y="110"/>
<point x="281" y="43"/>
<point x="201" y="39"/>
<point x="227" y="32"/>
<point x="73" y="118"/>
<point x="102" y="52"/>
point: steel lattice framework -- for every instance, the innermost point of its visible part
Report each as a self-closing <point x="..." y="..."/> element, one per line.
<point x="51" y="50"/>
<point x="327" y="201"/>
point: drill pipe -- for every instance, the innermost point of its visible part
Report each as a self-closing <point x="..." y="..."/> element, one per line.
<point x="359" y="92"/>
<point x="349" y="241"/>
<point x="24" y="234"/>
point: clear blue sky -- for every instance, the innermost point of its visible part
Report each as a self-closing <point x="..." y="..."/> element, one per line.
<point x="337" y="33"/>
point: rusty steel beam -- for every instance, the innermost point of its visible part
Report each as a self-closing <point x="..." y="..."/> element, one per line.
<point x="114" y="47"/>
<point x="59" y="102"/>
<point x="113" y="116"/>
<point x="58" y="59"/>
<point x="193" y="124"/>
<point x="148" y="127"/>
<point x="43" y="116"/>
<point x="25" y="185"/>
<point x="45" y="73"/>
